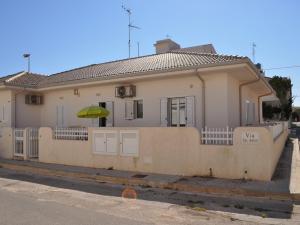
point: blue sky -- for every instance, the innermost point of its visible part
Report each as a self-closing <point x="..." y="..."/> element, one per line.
<point x="64" y="34"/>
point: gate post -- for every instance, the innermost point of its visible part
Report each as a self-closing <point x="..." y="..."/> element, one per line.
<point x="26" y="143"/>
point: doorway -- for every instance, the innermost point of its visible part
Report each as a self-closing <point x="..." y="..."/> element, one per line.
<point x="108" y="121"/>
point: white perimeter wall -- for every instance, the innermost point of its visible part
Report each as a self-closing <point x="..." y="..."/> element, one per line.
<point x="174" y="151"/>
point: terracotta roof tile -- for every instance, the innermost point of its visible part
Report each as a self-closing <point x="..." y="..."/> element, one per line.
<point x="131" y="67"/>
<point x="122" y="68"/>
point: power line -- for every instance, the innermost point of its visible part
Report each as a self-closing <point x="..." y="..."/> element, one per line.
<point x="283" y="67"/>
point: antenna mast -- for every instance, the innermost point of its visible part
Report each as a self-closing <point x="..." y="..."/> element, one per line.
<point x="253" y="52"/>
<point x="128" y="11"/>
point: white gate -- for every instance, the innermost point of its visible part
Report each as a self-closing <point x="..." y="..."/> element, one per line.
<point x="32" y="141"/>
<point x="19" y="142"/>
<point x="26" y="142"/>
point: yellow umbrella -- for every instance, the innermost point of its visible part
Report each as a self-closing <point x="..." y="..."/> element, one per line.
<point x="93" y="112"/>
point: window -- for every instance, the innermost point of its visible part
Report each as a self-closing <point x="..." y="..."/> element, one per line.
<point x="178" y="112"/>
<point x="138" y="109"/>
<point x="133" y="109"/>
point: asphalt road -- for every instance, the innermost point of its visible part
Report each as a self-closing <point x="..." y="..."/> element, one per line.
<point x="25" y="201"/>
<point x="17" y="209"/>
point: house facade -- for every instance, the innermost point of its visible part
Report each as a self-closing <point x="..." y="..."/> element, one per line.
<point x="177" y="87"/>
<point x="181" y="111"/>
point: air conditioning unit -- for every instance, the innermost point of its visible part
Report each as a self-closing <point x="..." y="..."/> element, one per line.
<point x="126" y="91"/>
<point x="34" y="99"/>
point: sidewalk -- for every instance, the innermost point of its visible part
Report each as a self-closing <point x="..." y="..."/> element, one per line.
<point x="295" y="169"/>
<point x="277" y="189"/>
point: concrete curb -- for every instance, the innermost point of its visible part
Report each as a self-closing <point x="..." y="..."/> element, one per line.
<point x="150" y="183"/>
<point x="295" y="171"/>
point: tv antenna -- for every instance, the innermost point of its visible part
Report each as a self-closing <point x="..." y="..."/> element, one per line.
<point x="27" y="56"/>
<point x="253" y="52"/>
<point x="130" y="26"/>
<point x="138" y="48"/>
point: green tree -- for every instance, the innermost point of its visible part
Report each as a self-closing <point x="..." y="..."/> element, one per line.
<point x="283" y="88"/>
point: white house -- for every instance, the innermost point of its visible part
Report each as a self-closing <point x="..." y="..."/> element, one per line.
<point x="175" y="87"/>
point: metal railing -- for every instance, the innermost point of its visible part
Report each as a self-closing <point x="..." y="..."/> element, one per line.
<point x="217" y="136"/>
<point x="32" y="142"/>
<point x="19" y="142"/>
<point x="70" y="134"/>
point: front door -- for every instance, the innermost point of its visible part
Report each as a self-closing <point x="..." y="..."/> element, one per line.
<point x="108" y="121"/>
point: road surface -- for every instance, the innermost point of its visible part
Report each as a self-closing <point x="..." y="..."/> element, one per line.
<point x="30" y="203"/>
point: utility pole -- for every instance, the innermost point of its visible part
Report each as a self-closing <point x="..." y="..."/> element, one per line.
<point x="138" y="48"/>
<point x="253" y="52"/>
<point x="130" y="26"/>
<point x="27" y="56"/>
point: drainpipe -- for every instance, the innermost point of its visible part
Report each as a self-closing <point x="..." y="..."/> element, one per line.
<point x="240" y="94"/>
<point x="203" y="98"/>
<point x="259" y="106"/>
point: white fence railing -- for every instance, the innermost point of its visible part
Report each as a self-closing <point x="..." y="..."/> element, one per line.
<point x="217" y="136"/>
<point x="70" y="134"/>
<point x="277" y="128"/>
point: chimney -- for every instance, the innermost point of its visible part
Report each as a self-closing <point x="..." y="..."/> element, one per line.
<point x="166" y="45"/>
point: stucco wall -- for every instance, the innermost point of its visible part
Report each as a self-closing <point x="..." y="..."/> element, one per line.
<point x="216" y="100"/>
<point x="6" y="108"/>
<point x="150" y="91"/>
<point x="174" y="151"/>
<point x="6" y="143"/>
<point x="233" y="102"/>
<point x="221" y="102"/>
<point x="27" y="115"/>
<point x="251" y="95"/>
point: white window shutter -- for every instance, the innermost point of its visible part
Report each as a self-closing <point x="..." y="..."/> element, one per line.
<point x="56" y="116"/>
<point x="110" y="119"/>
<point x="63" y="122"/>
<point x="164" y="112"/>
<point x="253" y="112"/>
<point x="59" y="116"/>
<point x="129" y="110"/>
<point x="190" y="111"/>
